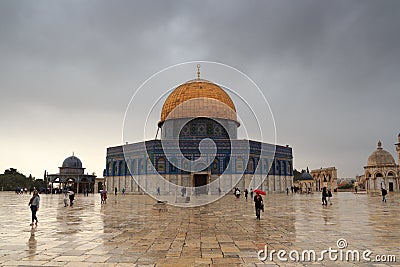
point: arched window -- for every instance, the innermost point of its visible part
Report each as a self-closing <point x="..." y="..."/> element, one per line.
<point x="161" y="165"/>
<point x="173" y="165"/>
<point x="226" y="164"/>
<point x="115" y="172"/>
<point x="272" y="170"/>
<point x="390" y="173"/>
<point x="239" y="164"/>
<point x="284" y="168"/>
<point x="214" y="166"/>
<point x="378" y="174"/>
<point x="133" y="167"/>
<point x="141" y="166"/>
<point x="265" y="166"/>
<point x="278" y="167"/>
<point x="109" y="169"/>
<point x="125" y="168"/>
<point x="149" y="165"/>
<point x="120" y="170"/>
<point x="250" y="165"/>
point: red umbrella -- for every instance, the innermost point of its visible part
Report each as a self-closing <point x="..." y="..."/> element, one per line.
<point x="258" y="191"/>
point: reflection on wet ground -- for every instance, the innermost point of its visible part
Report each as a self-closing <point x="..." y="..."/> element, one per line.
<point x="132" y="231"/>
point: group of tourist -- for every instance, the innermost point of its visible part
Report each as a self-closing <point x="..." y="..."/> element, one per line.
<point x="258" y="200"/>
<point x="86" y="191"/>
<point x="69" y="195"/>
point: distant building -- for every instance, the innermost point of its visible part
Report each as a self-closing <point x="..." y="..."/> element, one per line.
<point x="304" y="182"/>
<point x="325" y="177"/>
<point x="72" y="175"/>
<point x="360" y="182"/>
<point x="381" y="170"/>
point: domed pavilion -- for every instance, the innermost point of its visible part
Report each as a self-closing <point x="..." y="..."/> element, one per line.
<point x="194" y="111"/>
<point x="305" y="182"/>
<point x="72" y="176"/>
<point x="381" y="170"/>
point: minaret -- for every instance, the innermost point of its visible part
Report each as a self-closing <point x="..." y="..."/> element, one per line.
<point x="398" y="148"/>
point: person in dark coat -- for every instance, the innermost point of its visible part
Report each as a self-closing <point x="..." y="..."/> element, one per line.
<point x="259" y="205"/>
<point x="384" y="193"/>
<point x="324" y="196"/>
<point x="329" y="197"/>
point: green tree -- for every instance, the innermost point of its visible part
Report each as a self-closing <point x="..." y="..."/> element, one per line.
<point x="11" y="179"/>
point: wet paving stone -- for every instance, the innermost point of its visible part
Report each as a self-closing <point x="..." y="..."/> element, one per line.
<point x="129" y="231"/>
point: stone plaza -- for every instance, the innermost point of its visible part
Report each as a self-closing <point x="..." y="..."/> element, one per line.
<point x="132" y="230"/>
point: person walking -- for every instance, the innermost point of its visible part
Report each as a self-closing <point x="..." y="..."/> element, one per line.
<point x="34" y="205"/>
<point x="384" y="193"/>
<point x="115" y="191"/>
<point x="329" y="197"/>
<point x="103" y="196"/>
<point x="251" y="193"/>
<point x="246" y="192"/>
<point x="237" y="192"/>
<point x="324" y="195"/>
<point x="259" y="205"/>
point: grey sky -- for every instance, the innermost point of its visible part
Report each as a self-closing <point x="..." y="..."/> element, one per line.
<point x="330" y="70"/>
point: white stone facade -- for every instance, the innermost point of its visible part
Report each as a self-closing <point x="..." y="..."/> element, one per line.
<point x="272" y="183"/>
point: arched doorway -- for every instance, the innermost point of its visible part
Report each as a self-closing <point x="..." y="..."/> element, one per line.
<point x="200" y="179"/>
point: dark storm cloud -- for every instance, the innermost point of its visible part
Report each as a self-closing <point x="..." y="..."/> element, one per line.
<point x="328" y="68"/>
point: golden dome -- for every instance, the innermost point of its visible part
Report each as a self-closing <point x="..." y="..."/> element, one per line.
<point x="380" y="157"/>
<point x="198" y="98"/>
